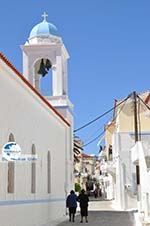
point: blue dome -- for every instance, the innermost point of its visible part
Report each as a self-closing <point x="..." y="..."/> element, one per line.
<point x="43" y="29"/>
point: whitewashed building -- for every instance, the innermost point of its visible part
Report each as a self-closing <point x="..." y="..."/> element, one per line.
<point x="129" y="163"/>
<point x="34" y="193"/>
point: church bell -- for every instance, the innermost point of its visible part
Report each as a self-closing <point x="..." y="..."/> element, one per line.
<point x="42" y="70"/>
<point x="48" y="64"/>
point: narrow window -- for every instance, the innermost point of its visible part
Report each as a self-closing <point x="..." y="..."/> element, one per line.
<point x="11" y="170"/>
<point x="33" y="171"/>
<point x="48" y="172"/>
<point x="11" y="176"/>
<point x="11" y="138"/>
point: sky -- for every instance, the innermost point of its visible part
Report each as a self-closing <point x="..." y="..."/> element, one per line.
<point x="109" y="47"/>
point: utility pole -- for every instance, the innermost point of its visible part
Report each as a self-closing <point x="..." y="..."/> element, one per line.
<point x="135" y="117"/>
<point x="136" y="135"/>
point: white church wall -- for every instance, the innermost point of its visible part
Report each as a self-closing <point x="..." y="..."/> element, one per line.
<point x="31" y="121"/>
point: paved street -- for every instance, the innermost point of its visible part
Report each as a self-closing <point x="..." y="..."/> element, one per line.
<point x="103" y="213"/>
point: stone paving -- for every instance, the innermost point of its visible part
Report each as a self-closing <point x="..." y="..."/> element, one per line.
<point x="103" y="213"/>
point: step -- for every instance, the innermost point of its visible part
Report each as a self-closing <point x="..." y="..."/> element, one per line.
<point x="146" y="224"/>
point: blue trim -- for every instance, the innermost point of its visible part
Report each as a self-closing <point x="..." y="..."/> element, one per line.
<point x="31" y="201"/>
<point x="140" y="133"/>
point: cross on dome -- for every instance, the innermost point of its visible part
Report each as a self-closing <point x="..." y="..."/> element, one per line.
<point x="44" y="15"/>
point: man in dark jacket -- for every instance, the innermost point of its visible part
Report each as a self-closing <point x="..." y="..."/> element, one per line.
<point x="71" y="203"/>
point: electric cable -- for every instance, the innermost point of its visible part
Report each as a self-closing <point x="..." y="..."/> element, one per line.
<point x="105" y="113"/>
<point x="143" y="102"/>
<point x="94" y="139"/>
<point x="99" y="129"/>
<point x="114" y="117"/>
<point x="140" y="99"/>
<point x="94" y="133"/>
<point x="108" y="125"/>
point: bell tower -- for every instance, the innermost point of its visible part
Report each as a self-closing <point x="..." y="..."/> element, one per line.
<point x="46" y="51"/>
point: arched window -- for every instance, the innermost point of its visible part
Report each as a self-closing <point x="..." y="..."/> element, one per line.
<point x="33" y="171"/>
<point x="11" y="170"/>
<point x="48" y="172"/>
<point x="11" y="138"/>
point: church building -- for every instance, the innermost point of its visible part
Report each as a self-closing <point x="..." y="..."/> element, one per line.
<point x="33" y="193"/>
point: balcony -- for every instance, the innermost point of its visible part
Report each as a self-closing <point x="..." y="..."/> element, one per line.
<point x="135" y="154"/>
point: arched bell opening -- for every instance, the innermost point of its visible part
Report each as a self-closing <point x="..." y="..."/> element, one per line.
<point x="43" y="76"/>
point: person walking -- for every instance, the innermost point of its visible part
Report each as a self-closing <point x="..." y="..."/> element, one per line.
<point x="96" y="192"/>
<point x="71" y="203"/>
<point x="83" y="199"/>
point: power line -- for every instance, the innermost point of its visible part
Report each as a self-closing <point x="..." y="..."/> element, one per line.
<point x="113" y="118"/>
<point x="105" y="113"/>
<point x="94" y="133"/>
<point x="143" y="102"/>
<point x="94" y="139"/>
<point x="108" y="125"/>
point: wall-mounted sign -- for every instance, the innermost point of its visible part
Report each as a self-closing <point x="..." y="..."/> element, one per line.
<point x="11" y="151"/>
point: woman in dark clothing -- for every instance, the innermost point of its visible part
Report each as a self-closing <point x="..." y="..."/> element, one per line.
<point x="83" y="199"/>
<point x="71" y="203"/>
